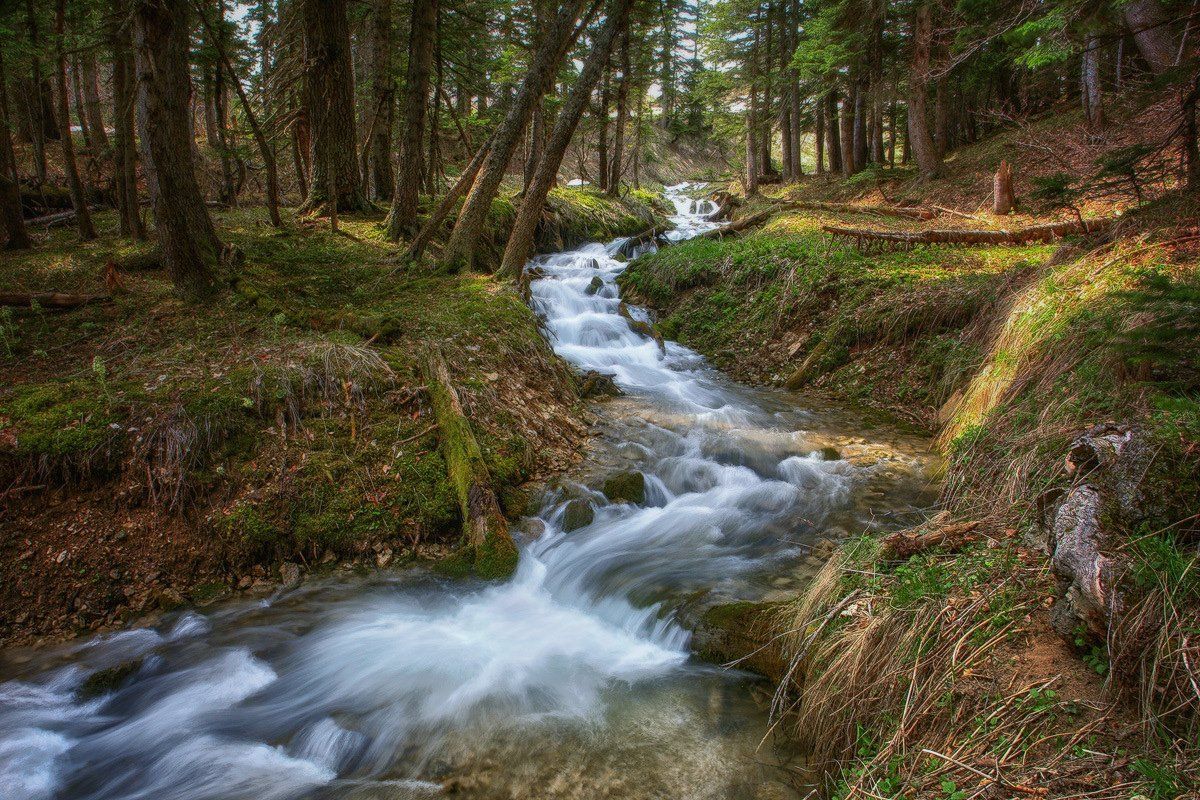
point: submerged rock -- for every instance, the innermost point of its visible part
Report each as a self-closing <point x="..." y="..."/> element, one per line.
<point x="107" y="680"/>
<point x="626" y="487"/>
<point x="531" y="528"/>
<point x="578" y="514"/>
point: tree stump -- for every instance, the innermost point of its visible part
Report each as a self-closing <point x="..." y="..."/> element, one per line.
<point x="1003" y="199"/>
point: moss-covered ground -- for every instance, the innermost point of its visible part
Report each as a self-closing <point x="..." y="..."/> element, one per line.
<point x="175" y="450"/>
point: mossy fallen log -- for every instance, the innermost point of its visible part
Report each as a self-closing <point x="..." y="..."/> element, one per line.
<point x="864" y="238"/>
<point x="486" y="538"/>
<point x="741" y="226"/>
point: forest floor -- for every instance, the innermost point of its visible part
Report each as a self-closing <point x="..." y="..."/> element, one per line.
<point x="938" y="674"/>
<point x="153" y="453"/>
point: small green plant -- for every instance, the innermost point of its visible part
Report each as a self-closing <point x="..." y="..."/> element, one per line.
<point x="1163" y="781"/>
<point x="101" y="372"/>
<point x="950" y="791"/>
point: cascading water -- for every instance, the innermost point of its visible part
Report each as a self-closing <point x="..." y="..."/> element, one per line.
<point x="572" y="679"/>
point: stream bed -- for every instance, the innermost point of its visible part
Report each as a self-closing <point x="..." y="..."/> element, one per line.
<point x="573" y="679"/>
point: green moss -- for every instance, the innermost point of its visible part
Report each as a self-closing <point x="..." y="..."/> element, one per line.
<point x="66" y="427"/>
<point x="496" y="557"/>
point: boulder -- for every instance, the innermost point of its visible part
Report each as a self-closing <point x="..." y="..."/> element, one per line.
<point x="595" y="286"/>
<point x="597" y="384"/>
<point x="626" y="487"/>
<point x="578" y="514"/>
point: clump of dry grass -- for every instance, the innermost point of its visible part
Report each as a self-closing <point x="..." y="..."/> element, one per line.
<point x="900" y="695"/>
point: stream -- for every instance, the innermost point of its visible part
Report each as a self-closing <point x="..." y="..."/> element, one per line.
<point x="573" y="679"/>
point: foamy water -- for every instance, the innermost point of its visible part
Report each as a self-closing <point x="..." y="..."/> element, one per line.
<point x="571" y="679"/>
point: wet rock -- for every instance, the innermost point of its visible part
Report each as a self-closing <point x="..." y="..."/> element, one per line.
<point x="578" y="514"/>
<point x="830" y="454"/>
<point x="107" y="680"/>
<point x="383" y="557"/>
<point x="289" y="575"/>
<point x="740" y="630"/>
<point x="597" y="384"/>
<point x="531" y="528"/>
<point x="168" y="600"/>
<point x="626" y="487"/>
<point x="595" y="286"/>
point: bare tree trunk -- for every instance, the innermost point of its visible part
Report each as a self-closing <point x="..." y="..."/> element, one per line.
<point x="10" y="191"/>
<point x="602" y="135"/>
<point x="90" y="77"/>
<point x="1003" y="198"/>
<point x="402" y="218"/>
<point x="846" y="125"/>
<point x="753" y="157"/>
<point x="446" y="204"/>
<point x="860" y="125"/>
<point x="329" y="101"/>
<point x="186" y="237"/>
<point x="460" y="249"/>
<point x="384" y="86"/>
<point x="77" y="89"/>
<point x="614" y="180"/>
<point x="833" y="134"/>
<point x="520" y="242"/>
<point x="819" y="134"/>
<point x="1153" y="33"/>
<point x="1089" y="83"/>
<point x="265" y="149"/>
<point x="83" y="217"/>
<point x="929" y="162"/>
<point x="220" y="96"/>
<point x="124" y="140"/>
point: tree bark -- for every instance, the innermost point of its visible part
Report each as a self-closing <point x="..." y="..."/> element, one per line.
<point x="1003" y="199"/>
<point x="329" y="102"/>
<point x="846" y="132"/>
<point x="520" y="242"/>
<point x="602" y="135"/>
<point x="83" y="217"/>
<point x="929" y="162"/>
<point x="615" y="169"/>
<point x="402" y="219"/>
<point x="860" y="125"/>
<point x="186" y="237"/>
<point x="384" y="87"/>
<point x="1089" y="83"/>
<point x="833" y="136"/>
<point x="460" y="249"/>
<point x="10" y="191"/>
<point x="80" y="114"/>
<point x="819" y="134"/>
<point x="124" y="139"/>
<point x="1153" y="33"/>
<point x="90" y="76"/>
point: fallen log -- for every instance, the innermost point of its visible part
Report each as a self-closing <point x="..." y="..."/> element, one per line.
<point x="57" y="219"/>
<point x="866" y="237"/>
<point x="906" y="544"/>
<point x="51" y="299"/>
<point x="740" y="226"/>
<point x="486" y="538"/>
<point x="908" y="212"/>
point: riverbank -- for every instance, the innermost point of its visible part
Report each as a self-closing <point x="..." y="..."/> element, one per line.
<point x="154" y="456"/>
<point x="1049" y="373"/>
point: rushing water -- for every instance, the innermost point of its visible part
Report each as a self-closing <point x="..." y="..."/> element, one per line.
<point x="572" y="679"/>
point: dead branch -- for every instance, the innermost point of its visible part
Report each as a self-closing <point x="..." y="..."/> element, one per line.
<point x="866" y="237"/>
<point x="51" y="299"/>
